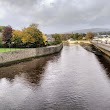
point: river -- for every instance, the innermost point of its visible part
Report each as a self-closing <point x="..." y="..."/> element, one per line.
<point x="74" y="79"/>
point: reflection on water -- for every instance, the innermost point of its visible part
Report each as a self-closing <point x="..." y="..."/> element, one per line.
<point x="31" y="70"/>
<point x="74" y="79"/>
<point x="105" y="63"/>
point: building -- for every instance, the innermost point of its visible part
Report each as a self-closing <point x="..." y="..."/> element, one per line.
<point x="102" y="39"/>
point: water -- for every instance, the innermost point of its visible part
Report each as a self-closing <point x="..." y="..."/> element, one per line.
<point x="74" y="79"/>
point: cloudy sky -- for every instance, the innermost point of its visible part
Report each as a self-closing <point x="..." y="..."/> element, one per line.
<point x="54" y="16"/>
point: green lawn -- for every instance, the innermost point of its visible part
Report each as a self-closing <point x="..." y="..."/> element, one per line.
<point x="9" y="49"/>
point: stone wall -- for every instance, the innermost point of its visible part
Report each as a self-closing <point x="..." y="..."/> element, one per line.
<point x="20" y="55"/>
<point x="103" y="48"/>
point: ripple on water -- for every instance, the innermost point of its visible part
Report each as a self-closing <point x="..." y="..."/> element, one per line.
<point x="71" y="80"/>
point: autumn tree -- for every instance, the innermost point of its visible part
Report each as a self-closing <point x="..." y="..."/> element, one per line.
<point x="17" y="37"/>
<point x="33" y="35"/>
<point x="6" y="35"/>
<point x="89" y="36"/>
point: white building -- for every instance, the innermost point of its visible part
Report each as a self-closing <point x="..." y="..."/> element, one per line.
<point x="102" y="39"/>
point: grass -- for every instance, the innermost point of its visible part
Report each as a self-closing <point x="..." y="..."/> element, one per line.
<point x="8" y="49"/>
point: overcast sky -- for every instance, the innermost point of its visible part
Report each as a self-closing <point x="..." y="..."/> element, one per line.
<point x="54" y="16"/>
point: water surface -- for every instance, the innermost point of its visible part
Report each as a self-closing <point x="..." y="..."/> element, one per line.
<point x="74" y="79"/>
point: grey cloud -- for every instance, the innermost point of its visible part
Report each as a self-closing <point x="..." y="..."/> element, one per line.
<point x="20" y="3"/>
<point x="56" y="15"/>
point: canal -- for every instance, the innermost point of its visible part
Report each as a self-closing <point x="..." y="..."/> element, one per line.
<point x="74" y="79"/>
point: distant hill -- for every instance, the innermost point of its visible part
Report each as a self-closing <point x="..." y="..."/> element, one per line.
<point x="91" y="30"/>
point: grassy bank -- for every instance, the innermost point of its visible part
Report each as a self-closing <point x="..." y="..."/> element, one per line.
<point x="8" y="49"/>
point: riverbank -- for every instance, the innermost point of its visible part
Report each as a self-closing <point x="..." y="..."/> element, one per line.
<point x="105" y="48"/>
<point x="87" y="46"/>
<point x="14" y="57"/>
<point x="93" y="49"/>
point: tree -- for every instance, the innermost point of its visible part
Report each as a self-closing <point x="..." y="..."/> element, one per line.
<point x="28" y="37"/>
<point x="89" y="36"/>
<point x="34" y="35"/>
<point x="74" y="36"/>
<point x="7" y="34"/>
<point x="65" y="37"/>
<point x="57" y="38"/>
<point x="17" y="36"/>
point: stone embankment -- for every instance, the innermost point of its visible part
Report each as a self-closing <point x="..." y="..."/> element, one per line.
<point x="8" y="58"/>
<point x="104" y="48"/>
